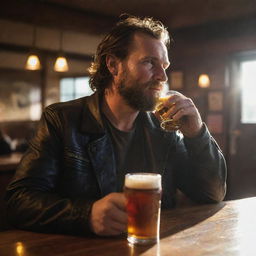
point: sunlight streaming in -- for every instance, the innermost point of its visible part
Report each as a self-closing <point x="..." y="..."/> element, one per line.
<point x="248" y="82"/>
<point x="245" y="228"/>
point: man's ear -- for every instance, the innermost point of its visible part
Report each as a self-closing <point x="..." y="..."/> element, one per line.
<point x="112" y="64"/>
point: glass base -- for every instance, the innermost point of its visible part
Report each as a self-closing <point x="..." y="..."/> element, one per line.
<point x="141" y="241"/>
<point x="170" y="125"/>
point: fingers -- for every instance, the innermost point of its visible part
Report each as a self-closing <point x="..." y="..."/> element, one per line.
<point x="111" y="226"/>
<point x="108" y="215"/>
<point x="118" y="199"/>
<point x="118" y="215"/>
<point x="183" y="109"/>
<point x="179" y="106"/>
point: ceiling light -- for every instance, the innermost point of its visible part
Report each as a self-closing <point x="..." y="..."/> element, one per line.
<point x="33" y="62"/>
<point x="203" y="81"/>
<point x="61" y="64"/>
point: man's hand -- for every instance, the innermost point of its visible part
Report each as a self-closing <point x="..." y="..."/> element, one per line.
<point x="181" y="107"/>
<point x="108" y="215"/>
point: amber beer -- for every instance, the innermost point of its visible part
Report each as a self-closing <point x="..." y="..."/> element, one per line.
<point x="168" y="123"/>
<point x="143" y="194"/>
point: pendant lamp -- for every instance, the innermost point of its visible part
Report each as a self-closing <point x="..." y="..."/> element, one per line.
<point x="61" y="64"/>
<point x="33" y="62"/>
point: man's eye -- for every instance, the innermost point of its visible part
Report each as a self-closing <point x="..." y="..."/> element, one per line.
<point x="149" y="62"/>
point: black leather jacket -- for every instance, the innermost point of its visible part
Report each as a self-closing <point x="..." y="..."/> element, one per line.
<point x="70" y="164"/>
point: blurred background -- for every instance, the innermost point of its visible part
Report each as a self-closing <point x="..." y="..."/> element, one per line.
<point x="213" y="61"/>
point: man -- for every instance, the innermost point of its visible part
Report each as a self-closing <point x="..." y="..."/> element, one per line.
<point x="71" y="178"/>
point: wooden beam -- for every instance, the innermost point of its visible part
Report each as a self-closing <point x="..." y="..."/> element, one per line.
<point x="43" y="13"/>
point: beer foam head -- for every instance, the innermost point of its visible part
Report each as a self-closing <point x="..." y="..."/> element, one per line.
<point x="143" y="181"/>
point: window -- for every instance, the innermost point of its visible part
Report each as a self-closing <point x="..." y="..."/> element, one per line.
<point x="74" y="87"/>
<point x="248" y="71"/>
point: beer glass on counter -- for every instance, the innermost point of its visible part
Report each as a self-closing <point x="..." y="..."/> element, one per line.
<point x="143" y="194"/>
<point x="167" y="123"/>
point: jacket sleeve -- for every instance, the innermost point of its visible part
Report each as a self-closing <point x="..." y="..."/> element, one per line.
<point x="201" y="168"/>
<point x="32" y="200"/>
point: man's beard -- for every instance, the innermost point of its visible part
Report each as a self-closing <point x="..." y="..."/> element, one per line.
<point x="136" y="97"/>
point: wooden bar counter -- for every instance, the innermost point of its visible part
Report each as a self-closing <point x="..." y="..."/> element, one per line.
<point x="224" y="229"/>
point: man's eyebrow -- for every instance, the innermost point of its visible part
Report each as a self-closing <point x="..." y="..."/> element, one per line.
<point x="166" y="63"/>
<point x="150" y="57"/>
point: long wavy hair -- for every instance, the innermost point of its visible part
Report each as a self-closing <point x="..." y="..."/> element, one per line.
<point x="117" y="43"/>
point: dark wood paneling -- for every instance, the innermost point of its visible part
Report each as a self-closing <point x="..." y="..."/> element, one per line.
<point x="43" y="13"/>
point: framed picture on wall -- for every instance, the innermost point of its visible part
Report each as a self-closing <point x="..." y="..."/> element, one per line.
<point x="215" y="101"/>
<point x="176" y="80"/>
<point x="215" y="123"/>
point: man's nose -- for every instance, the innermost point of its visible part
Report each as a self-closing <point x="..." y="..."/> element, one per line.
<point x="161" y="75"/>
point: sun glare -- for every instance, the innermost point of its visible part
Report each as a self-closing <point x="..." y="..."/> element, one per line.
<point x="248" y="82"/>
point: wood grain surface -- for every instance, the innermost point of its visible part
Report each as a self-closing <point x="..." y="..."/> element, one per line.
<point x="227" y="228"/>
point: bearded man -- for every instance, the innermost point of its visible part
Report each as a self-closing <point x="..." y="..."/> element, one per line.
<point x="71" y="178"/>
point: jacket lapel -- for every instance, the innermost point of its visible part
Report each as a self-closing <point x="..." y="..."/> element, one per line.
<point x="158" y="144"/>
<point x="102" y="158"/>
<point x="99" y="148"/>
<point x="91" y="121"/>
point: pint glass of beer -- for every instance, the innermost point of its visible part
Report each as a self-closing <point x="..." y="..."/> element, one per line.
<point x="168" y="123"/>
<point x="143" y="195"/>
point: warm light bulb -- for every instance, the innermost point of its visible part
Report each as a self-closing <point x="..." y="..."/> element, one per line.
<point x="33" y="62"/>
<point x="19" y="248"/>
<point x="204" y="81"/>
<point x="61" y="64"/>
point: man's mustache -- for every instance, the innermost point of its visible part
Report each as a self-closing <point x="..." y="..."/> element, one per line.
<point x="155" y="85"/>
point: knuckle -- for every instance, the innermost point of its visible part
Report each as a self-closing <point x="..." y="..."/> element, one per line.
<point x="190" y="101"/>
<point x="106" y="210"/>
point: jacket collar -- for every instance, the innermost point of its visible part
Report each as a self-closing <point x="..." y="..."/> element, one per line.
<point x="91" y="115"/>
